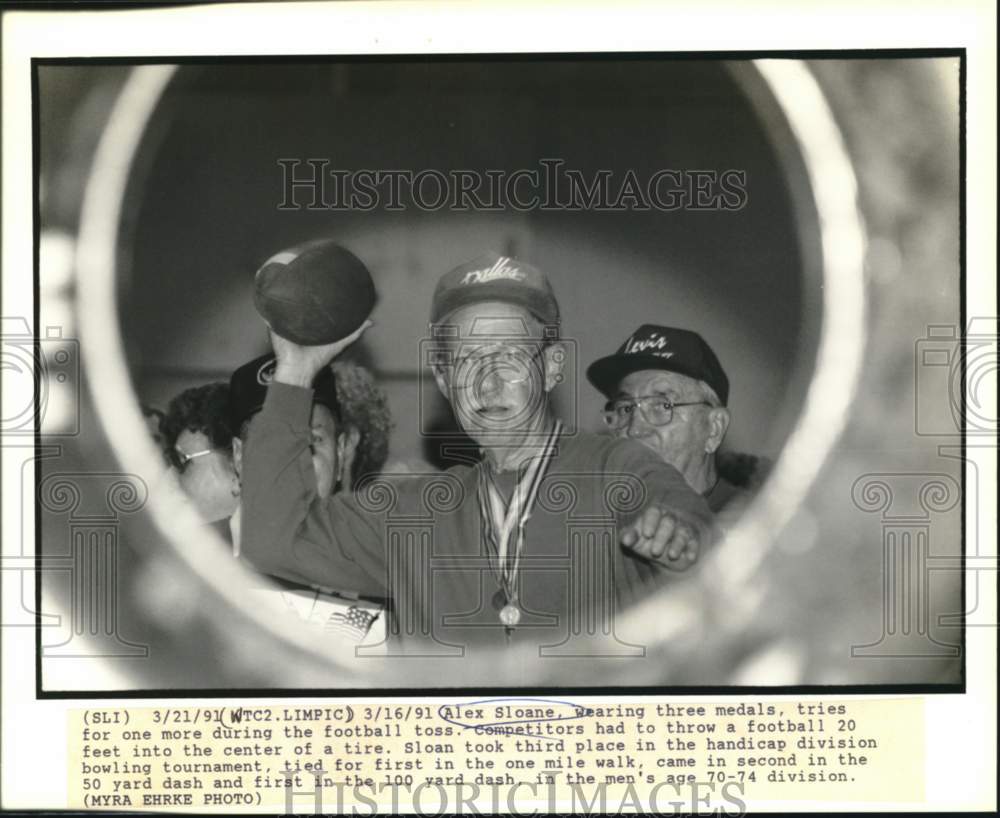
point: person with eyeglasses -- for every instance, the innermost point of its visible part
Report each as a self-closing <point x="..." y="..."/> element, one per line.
<point x="198" y="444"/>
<point x="540" y="532"/>
<point x="666" y="389"/>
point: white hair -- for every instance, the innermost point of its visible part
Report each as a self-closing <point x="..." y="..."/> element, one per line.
<point x="709" y="394"/>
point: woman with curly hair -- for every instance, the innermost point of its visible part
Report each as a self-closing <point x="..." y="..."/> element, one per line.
<point x="198" y="438"/>
<point x="366" y="415"/>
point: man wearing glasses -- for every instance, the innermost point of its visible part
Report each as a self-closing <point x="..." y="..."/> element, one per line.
<point x="666" y="389"/>
<point x="498" y="566"/>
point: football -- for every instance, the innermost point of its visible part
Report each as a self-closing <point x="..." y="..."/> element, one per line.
<point x="315" y="293"/>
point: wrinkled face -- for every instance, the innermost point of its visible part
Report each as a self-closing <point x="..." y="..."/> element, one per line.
<point x="208" y="479"/>
<point x="693" y="433"/>
<point x="496" y="373"/>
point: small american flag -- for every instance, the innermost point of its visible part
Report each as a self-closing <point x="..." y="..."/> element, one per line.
<point x="354" y="622"/>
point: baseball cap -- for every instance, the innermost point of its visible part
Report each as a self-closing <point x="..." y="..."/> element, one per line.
<point x="493" y="277"/>
<point x="667" y="348"/>
<point x="248" y="388"/>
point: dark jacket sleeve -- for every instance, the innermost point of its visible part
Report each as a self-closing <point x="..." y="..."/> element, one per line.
<point x="660" y="484"/>
<point x="290" y="532"/>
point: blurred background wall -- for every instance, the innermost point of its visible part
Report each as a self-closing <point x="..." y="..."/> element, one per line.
<point x="205" y="213"/>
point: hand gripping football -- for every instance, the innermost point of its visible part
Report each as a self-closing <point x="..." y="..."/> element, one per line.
<point x="315" y="293"/>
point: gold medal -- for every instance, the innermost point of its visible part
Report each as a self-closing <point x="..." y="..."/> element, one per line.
<point x="510" y="615"/>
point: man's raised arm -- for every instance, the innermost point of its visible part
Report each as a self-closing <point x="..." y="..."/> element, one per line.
<point x="288" y="530"/>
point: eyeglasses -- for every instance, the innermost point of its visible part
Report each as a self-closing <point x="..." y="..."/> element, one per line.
<point x="181" y="459"/>
<point x="655" y="410"/>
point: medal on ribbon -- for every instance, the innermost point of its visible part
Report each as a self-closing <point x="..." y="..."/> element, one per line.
<point x="503" y="526"/>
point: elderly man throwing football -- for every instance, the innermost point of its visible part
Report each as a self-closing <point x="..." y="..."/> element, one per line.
<point x="491" y="560"/>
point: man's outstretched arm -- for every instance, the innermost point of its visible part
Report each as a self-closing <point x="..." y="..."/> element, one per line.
<point x="675" y="523"/>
